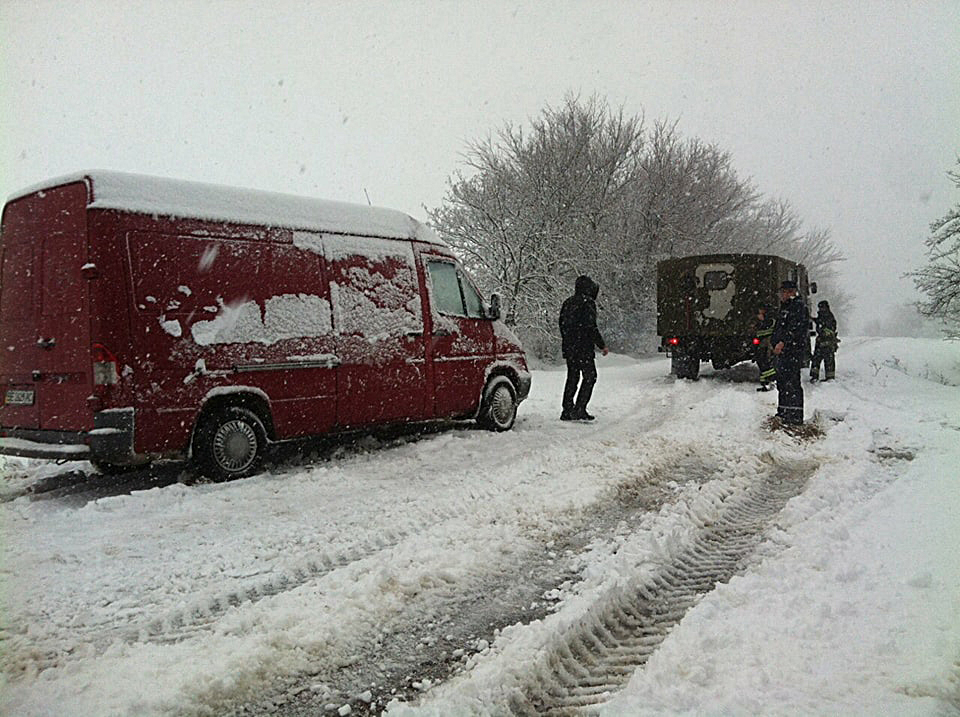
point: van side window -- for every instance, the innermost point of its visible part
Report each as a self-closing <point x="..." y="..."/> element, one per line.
<point x="446" y="288"/>
<point x="452" y="291"/>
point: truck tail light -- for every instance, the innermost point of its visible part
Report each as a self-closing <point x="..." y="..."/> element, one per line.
<point x="756" y="342"/>
<point x="105" y="366"/>
<point x="673" y="341"/>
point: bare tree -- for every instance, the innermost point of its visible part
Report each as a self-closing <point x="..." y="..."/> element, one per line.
<point x="940" y="278"/>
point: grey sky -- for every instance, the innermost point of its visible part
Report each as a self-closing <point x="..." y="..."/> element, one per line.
<point x="848" y="110"/>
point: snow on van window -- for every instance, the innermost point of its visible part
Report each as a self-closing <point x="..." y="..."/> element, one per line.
<point x="374" y="286"/>
<point x="284" y="317"/>
<point x="292" y="315"/>
<point x="370" y="305"/>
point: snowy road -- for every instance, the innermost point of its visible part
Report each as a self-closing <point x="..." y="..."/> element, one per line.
<point x="372" y="571"/>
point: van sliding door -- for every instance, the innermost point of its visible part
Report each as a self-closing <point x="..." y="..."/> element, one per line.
<point x="378" y="327"/>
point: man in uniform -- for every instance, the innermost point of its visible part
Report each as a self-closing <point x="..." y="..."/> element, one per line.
<point x="764" y="355"/>
<point x="790" y="346"/>
<point x="827" y="341"/>
<point x="579" y="334"/>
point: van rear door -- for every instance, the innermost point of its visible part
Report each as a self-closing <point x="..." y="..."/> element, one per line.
<point x="44" y="321"/>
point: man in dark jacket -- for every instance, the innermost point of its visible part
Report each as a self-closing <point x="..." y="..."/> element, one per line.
<point x="791" y="345"/>
<point x="827" y="341"/>
<point x="579" y="334"/>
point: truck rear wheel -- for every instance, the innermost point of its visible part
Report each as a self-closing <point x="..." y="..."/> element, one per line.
<point x="230" y="443"/>
<point x="685" y="366"/>
<point x="499" y="409"/>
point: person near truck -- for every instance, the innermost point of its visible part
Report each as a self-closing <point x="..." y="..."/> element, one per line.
<point x="791" y="345"/>
<point x="764" y="356"/>
<point x="826" y="347"/>
<point x="580" y="337"/>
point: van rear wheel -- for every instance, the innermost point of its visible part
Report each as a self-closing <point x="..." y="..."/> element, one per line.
<point x="230" y="444"/>
<point x="499" y="410"/>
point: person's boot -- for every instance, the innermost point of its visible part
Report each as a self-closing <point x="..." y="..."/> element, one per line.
<point x="582" y="415"/>
<point x="567" y="416"/>
<point x="763" y="387"/>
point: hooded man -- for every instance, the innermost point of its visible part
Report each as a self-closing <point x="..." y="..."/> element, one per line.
<point x="826" y="346"/>
<point x="791" y="344"/>
<point x="579" y="334"/>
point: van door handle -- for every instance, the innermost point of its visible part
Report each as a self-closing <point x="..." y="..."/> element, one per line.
<point x="441" y="332"/>
<point x="46" y="343"/>
<point x="414" y="334"/>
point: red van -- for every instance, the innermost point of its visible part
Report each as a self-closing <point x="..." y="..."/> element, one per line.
<point x="145" y="318"/>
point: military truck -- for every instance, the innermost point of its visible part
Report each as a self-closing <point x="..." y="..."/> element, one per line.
<point x="707" y="306"/>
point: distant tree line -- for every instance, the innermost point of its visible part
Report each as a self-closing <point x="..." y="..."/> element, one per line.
<point x="940" y="278"/>
<point x="589" y="190"/>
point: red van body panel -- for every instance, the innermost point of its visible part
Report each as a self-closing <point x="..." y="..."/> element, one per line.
<point x="130" y="305"/>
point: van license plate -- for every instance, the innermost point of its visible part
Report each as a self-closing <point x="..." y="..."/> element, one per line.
<point x="17" y="397"/>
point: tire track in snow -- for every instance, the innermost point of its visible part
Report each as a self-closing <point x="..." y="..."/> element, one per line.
<point x="588" y="665"/>
<point x="187" y="621"/>
<point x="156" y="621"/>
<point x="199" y="614"/>
<point x="508" y="594"/>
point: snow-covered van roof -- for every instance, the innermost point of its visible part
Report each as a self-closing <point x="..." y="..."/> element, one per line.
<point x="161" y="196"/>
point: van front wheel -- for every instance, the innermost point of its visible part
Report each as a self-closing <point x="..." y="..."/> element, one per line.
<point x="230" y="444"/>
<point x="499" y="409"/>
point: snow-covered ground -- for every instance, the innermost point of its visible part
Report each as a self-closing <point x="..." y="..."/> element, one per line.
<point x="159" y="597"/>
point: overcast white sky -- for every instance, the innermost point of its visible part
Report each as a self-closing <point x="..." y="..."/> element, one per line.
<point x="848" y="110"/>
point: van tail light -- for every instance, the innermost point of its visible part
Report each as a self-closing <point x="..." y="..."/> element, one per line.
<point x="673" y="341"/>
<point x="756" y="342"/>
<point x="105" y="366"/>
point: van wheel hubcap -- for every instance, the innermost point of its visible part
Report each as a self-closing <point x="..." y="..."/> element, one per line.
<point x="501" y="406"/>
<point x="235" y="446"/>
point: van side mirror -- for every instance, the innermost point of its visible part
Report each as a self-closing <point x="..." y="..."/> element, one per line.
<point x="813" y="287"/>
<point x="493" y="311"/>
